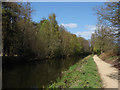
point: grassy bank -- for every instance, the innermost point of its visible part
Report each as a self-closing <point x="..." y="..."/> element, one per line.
<point x="81" y="75"/>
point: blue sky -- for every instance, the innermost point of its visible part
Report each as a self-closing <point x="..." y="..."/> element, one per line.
<point x="78" y="17"/>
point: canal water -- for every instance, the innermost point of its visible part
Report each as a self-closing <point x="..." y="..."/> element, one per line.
<point x="36" y="74"/>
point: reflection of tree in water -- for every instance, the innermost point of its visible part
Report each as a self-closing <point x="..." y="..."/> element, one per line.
<point x="35" y="74"/>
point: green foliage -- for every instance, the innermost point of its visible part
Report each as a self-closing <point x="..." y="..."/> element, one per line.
<point x="46" y="39"/>
<point x="16" y="28"/>
<point x="54" y="41"/>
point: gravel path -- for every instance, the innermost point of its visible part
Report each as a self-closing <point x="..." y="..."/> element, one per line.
<point x="108" y="74"/>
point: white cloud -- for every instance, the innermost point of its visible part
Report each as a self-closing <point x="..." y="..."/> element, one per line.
<point x="90" y="27"/>
<point x="70" y="25"/>
<point x="87" y="34"/>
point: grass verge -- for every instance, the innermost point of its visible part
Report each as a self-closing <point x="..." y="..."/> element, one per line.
<point x="83" y="74"/>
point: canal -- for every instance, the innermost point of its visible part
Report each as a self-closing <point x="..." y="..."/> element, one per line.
<point x="37" y="74"/>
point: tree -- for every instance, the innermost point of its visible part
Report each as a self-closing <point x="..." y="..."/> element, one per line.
<point x="109" y="14"/>
<point x="46" y="39"/>
<point x="109" y="17"/>
<point x="101" y="39"/>
<point x="16" y="28"/>
<point x="9" y="19"/>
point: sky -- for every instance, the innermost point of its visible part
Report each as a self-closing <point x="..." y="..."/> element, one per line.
<point x="77" y="17"/>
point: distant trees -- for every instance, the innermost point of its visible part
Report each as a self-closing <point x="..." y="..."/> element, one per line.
<point x="46" y="39"/>
<point x="53" y="40"/>
<point x="106" y="36"/>
<point x="101" y="41"/>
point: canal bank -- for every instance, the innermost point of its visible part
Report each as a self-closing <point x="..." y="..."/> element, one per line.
<point x="83" y="74"/>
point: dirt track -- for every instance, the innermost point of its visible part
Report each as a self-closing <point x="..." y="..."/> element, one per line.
<point x="108" y="74"/>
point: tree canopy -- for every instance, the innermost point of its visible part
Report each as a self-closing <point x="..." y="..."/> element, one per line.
<point x="46" y="39"/>
<point x="107" y="33"/>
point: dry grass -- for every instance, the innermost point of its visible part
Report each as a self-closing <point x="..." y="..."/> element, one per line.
<point x="111" y="58"/>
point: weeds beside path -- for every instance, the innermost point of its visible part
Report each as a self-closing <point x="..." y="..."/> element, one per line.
<point x="109" y="74"/>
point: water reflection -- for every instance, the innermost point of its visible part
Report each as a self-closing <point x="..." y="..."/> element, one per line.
<point x="35" y="74"/>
